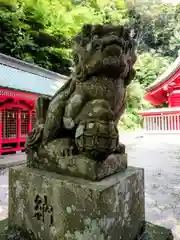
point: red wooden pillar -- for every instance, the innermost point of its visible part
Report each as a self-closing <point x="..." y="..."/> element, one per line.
<point x="30" y="122"/>
<point x="0" y="131"/>
<point x="18" y="128"/>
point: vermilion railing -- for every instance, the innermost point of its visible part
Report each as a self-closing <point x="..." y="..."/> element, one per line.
<point x="169" y="123"/>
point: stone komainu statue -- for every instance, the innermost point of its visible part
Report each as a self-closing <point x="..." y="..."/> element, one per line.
<point x="82" y="116"/>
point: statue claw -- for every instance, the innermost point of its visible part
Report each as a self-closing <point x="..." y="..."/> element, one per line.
<point x="67" y="151"/>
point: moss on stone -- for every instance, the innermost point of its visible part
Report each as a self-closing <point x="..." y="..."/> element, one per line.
<point x="155" y="232"/>
<point x="152" y="232"/>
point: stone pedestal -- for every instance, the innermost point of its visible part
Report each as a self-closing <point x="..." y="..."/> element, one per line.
<point x="51" y="206"/>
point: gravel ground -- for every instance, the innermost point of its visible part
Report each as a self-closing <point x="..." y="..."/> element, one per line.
<point x="160" y="157"/>
<point x="3" y="193"/>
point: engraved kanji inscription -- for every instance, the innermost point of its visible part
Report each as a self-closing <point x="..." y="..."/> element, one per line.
<point x="43" y="211"/>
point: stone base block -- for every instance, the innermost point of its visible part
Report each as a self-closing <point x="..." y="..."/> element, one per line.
<point x="152" y="232"/>
<point x="50" y="206"/>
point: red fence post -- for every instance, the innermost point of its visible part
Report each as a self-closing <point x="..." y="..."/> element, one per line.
<point x="30" y="122"/>
<point x="0" y="131"/>
<point x="18" y="128"/>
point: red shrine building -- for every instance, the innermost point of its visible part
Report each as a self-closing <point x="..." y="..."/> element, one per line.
<point x="166" y="89"/>
<point x="20" y="85"/>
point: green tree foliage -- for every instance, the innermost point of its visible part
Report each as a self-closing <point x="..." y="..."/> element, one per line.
<point x="135" y="103"/>
<point x="40" y="32"/>
<point x="149" y="66"/>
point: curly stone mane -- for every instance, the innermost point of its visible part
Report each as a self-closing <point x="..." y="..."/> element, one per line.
<point x="104" y="50"/>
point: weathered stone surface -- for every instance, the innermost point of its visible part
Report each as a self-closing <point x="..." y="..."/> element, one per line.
<point x="155" y="232"/>
<point x="12" y="234"/>
<point x="54" y="206"/>
<point x="152" y="232"/>
<point x="81" y="166"/>
<point x="3" y="228"/>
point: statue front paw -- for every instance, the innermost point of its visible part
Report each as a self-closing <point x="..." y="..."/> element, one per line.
<point x="34" y="137"/>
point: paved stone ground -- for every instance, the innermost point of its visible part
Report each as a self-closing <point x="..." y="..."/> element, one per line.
<point x="12" y="160"/>
<point x="160" y="156"/>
